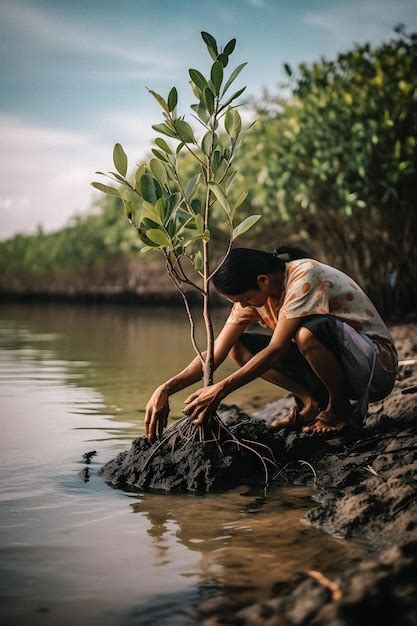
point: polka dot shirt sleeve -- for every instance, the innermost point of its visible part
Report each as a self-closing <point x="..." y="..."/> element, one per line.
<point x="305" y="295"/>
<point x="242" y="315"/>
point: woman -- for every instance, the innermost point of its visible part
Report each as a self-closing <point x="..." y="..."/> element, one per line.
<point x="328" y="346"/>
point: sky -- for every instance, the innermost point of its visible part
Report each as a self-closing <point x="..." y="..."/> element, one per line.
<point x="74" y="77"/>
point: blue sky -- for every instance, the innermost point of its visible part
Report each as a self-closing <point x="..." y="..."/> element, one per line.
<point x="74" y="76"/>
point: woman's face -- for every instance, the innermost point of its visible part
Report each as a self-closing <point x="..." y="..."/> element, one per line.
<point x="254" y="297"/>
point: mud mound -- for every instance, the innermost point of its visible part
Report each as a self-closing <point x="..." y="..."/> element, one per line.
<point x="181" y="466"/>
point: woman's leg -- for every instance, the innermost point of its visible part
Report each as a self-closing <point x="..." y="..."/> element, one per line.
<point x="327" y="367"/>
<point x="308" y="403"/>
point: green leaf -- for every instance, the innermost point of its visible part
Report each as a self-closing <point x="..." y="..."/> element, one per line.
<point x="235" y="95"/>
<point x="202" y="236"/>
<point x="199" y="222"/>
<point x="138" y="175"/>
<point x="198" y="261"/>
<point x="158" y="171"/>
<point x="196" y="205"/>
<point x="160" y="209"/>
<point x="163" y="145"/>
<point x="179" y="148"/>
<point x="198" y="79"/>
<point x="150" y="188"/>
<point x="221" y="169"/>
<point x="189" y="223"/>
<point x="202" y="113"/>
<point x="195" y="89"/>
<point x="106" y="189"/>
<point x="159" y="99"/>
<point x="172" y="99"/>
<point x="240" y="200"/>
<point x="233" y="122"/>
<point x="221" y="197"/>
<point x="223" y="58"/>
<point x="233" y="77"/>
<point x="119" y="178"/>
<point x="174" y="201"/>
<point x="229" y="47"/>
<point x="160" y="155"/>
<point x="145" y="239"/>
<point x="230" y="180"/>
<point x="147" y="249"/>
<point x="149" y="220"/>
<point x="191" y="185"/>
<point x="209" y="99"/>
<point x="129" y="210"/>
<point x="228" y="122"/>
<point x="245" y="225"/>
<point x="164" y="129"/>
<point x="216" y="76"/>
<point x="120" y="159"/>
<point x="216" y="160"/>
<point x="185" y="131"/>
<point x="211" y="44"/>
<point x="159" y="237"/>
<point x="207" y="142"/>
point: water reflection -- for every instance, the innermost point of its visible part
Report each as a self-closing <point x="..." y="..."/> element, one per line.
<point x="122" y="352"/>
<point x="245" y="542"/>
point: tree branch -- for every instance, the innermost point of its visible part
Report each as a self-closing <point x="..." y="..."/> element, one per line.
<point x="171" y="274"/>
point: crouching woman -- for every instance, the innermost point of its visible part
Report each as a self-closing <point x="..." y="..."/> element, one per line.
<point x="328" y="346"/>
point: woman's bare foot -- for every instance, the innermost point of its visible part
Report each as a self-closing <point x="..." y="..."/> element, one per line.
<point x="328" y="422"/>
<point x="298" y="417"/>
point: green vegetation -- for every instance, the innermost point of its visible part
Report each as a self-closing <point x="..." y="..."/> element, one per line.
<point x="333" y="160"/>
<point x="86" y="242"/>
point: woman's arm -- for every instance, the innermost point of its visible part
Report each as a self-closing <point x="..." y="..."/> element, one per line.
<point x="204" y="402"/>
<point x="226" y="339"/>
<point x="157" y="408"/>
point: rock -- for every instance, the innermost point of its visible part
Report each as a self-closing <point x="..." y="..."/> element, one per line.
<point x="84" y="474"/>
<point x="87" y="456"/>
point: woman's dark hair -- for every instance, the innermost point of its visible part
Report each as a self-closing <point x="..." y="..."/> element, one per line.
<point x="243" y="265"/>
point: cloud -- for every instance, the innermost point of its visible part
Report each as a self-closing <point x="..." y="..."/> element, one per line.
<point x="61" y="33"/>
<point x="14" y="132"/>
<point x="45" y="172"/>
<point x="367" y="20"/>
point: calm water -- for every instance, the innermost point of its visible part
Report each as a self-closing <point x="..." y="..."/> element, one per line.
<point x="74" y="379"/>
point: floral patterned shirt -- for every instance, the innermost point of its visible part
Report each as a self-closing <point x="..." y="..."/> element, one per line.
<point x="312" y="288"/>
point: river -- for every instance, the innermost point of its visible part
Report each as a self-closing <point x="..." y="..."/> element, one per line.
<point x="76" y="378"/>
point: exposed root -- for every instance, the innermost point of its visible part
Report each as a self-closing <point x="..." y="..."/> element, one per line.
<point x="333" y="587"/>
<point x="183" y="433"/>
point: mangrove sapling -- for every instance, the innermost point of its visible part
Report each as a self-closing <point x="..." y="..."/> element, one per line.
<point x="175" y="216"/>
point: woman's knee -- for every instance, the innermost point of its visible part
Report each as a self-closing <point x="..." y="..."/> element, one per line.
<point x="239" y="354"/>
<point x="304" y="339"/>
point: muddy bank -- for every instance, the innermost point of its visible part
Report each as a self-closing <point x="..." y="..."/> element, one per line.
<point x="120" y="280"/>
<point x="366" y="489"/>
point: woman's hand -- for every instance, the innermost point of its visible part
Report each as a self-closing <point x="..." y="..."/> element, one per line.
<point x="156" y="414"/>
<point x="202" y="404"/>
